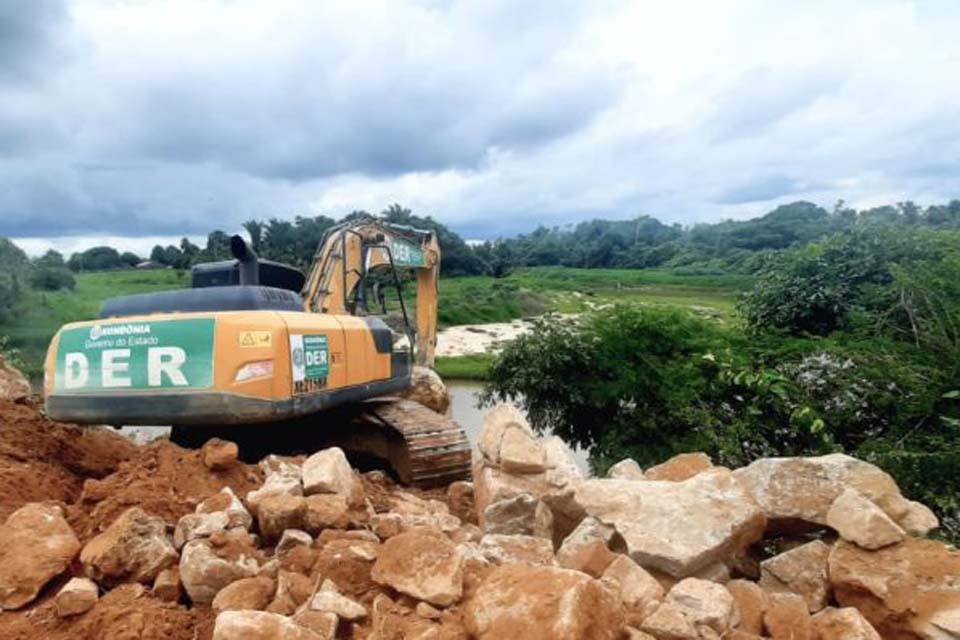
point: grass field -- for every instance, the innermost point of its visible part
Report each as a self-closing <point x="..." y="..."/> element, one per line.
<point x="469" y="300"/>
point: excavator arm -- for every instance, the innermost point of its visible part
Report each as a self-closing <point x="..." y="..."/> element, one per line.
<point x="350" y="251"/>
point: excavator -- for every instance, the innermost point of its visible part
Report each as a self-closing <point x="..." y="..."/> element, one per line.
<point x="260" y="350"/>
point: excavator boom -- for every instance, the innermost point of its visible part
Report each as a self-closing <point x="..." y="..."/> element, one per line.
<point x="352" y="250"/>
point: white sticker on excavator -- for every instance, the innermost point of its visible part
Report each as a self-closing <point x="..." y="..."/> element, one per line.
<point x="309" y="362"/>
<point x="296" y="358"/>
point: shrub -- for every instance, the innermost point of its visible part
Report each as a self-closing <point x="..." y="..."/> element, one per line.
<point x="51" y="278"/>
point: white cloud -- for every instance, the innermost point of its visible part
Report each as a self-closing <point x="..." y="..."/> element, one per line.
<point x="176" y="117"/>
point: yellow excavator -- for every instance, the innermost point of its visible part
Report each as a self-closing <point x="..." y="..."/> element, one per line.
<point x="257" y="348"/>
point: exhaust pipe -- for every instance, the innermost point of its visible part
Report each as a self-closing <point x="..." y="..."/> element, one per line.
<point x="247" y="261"/>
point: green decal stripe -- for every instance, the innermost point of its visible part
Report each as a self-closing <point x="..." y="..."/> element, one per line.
<point x="406" y="254"/>
<point x="117" y="356"/>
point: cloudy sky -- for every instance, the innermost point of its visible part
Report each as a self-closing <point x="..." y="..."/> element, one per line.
<point x="145" y="120"/>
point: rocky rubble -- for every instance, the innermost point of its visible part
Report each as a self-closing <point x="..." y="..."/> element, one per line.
<point x="308" y="548"/>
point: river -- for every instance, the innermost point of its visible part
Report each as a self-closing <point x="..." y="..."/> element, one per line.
<point x="463" y="397"/>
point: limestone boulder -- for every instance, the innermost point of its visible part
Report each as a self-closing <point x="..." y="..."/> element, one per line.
<point x="293" y="590"/>
<point x="561" y="463"/>
<point x="639" y="592"/>
<point x="919" y="520"/>
<point x="324" y="624"/>
<point x="329" y="599"/>
<point x="282" y="478"/>
<point x="860" y="521"/>
<point x="846" y="623"/>
<point x="291" y="539"/>
<point x="422" y="563"/>
<point x="904" y="590"/>
<point x="259" y="625"/>
<point x="245" y="594"/>
<point x="626" y="469"/>
<point x="325" y="511"/>
<point x="226" y="501"/>
<point x="491" y="484"/>
<point x="542" y="603"/>
<point x="751" y="603"/>
<point x="691" y="605"/>
<point x="427" y="388"/>
<point x="13" y="384"/>
<point x="167" y="585"/>
<point x="507" y="549"/>
<point x="277" y="513"/>
<point x="587" y="548"/>
<point x="680" y="467"/>
<point x="801" y="570"/>
<point x="507" y="442"/>
<point x="789" y="490"/>
<point x="78" y="596"/>
<point x="199" y="525"/>
<point x="328" y="471"/>
<point x="36" y="545"/>
<point x="787" y="617"/>
<point x="460" y="501"/>
<point x="135" y="548"/>
<point x="520" y="514"/>
<point x="206" y="567"/>
<point x="718" y="517"/>
<point x="219" y="455"/>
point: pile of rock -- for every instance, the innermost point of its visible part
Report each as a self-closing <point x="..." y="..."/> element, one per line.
<point x="799" y="548"/>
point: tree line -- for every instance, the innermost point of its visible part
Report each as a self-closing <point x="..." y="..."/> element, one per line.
<point x="641" y="242"/>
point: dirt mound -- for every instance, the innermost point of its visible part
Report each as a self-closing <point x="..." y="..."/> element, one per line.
<point x="125" y="613"/>
<point x="44" y="460"/>
<point x="162" y="479"/>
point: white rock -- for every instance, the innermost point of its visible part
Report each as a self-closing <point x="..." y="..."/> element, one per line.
<point x="293" y="538"/>
<point x="639" y="592"/>
<point x="718" y="517"/>
<point x="78" y="596"/>
<point x="501" y="549"/>
<point x="339" y="604"/>
<point x="204" y="573"/>
<point x="626" y="469"/>
<point x="789" y="489"/>
<point x="227" y="502"/>
<point x="860" y="521"/>
<point x="259" y="625"/>
<point x="519" y="514"/>
<point x="328" y="471"/>
<point x="134" y="548"/>
<point x="199" y="525"/>
<point x="587" y="549"/>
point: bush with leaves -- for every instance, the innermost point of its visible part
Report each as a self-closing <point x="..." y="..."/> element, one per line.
<point x="825" y="286"/>
<point x="51" y="278"/>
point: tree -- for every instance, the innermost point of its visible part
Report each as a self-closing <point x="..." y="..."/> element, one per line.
<point x="95" y="258"/>
<point x="52" y="259"/>
<point x="130" y="259"/>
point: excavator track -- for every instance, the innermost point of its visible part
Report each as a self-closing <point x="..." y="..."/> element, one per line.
<point x="421" y="447"/>
<point x="434" y="451"/>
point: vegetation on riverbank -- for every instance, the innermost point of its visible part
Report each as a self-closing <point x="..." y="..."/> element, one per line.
<point x="849" y="344"/>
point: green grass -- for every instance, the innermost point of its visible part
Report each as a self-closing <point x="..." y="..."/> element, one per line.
<point x="43" y="312"/>
<point x="473" y="367"/>
<point x="469" y="300"/>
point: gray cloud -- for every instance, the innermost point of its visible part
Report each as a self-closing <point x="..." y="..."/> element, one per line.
<point x="30" y="31"/>
<point x="126" y="119"/>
